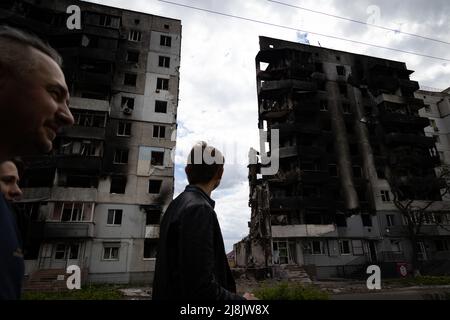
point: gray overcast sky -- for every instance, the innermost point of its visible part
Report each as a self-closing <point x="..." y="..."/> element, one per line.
<point x="218" y="101"/>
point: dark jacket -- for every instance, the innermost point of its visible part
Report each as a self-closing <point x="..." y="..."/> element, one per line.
<point x="191" y="262"/>
<point x="12" y="265"/>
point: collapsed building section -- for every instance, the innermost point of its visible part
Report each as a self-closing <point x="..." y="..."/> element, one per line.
<point x="97" y="199"/>
<point x="349" y="131"/>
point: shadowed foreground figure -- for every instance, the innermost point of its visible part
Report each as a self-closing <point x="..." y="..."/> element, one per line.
<point x="191" y="262"/>
<point x="33" y="108"/>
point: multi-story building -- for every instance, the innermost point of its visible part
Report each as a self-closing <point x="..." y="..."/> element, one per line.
<point x="96" y="200"/>
<point x="349" y="129"/>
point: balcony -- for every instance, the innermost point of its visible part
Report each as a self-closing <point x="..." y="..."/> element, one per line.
<point x="286" y="73"/>
<point x="54" y="230"/>
<point x="306" y="230"/>
<point x="89" y="104"/>
<point x="95" y="78"/>
<point x="409" y="139"/>
<point x="288" y="152"/>
<point x="405" y="120"/>
<point x="391" y="256"/>
<point x="296" y="202"/>
<point x="268" y="87"/>
<point x="152" y="231"/>
<point x="84" y="132"/>
<point x="79" y="162"/>
<point x="409" y="86"/>
<point x="100" y="54"/>
<point x="416" y="160"/>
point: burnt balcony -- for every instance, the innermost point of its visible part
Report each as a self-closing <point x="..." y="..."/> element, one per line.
<point x="96" y="78"/>
<point x="84" y="132"/>
<point x="304" y="230"/>
<point x="396" y="119"/>
<point x="53" y="230"/>
<point x="79" y="162"/>
<point x="274" y="110"/>
<point x="269" y="87"/>
<point x="288" y="152"/>
<point x="296" y="202"/>
<point x="409" y="86"/>
<point x="298" y="73"/>
<point x="394" y="139"/>
<point x="289" y="129"/>
<point x="418" y="160"/>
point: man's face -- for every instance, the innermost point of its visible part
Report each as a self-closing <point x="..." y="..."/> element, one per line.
<point x="37" y="107"/>
<point x="9" y="181"/>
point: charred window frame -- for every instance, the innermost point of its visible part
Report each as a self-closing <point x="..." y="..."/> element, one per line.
<point x="118" y="184"/>
<point x="152" y="217"/>
<point x="135" y="36"/>
<point x="130" y="79"/>
<point x="124" y="129"/>
<point x="121" y="156"/>
<point x="154" y="186"/>
<point x="157" y="158"/>
<point x="150" y="248"/>
<point x="132" y="56"/>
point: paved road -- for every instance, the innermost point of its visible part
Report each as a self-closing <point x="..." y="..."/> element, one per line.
<point x="413" y="293"/>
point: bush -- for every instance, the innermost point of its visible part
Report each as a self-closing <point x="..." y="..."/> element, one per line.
<point x="286" y="291"/>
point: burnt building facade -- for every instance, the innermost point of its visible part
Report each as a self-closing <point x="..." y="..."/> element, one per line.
<point x="349" y="131"/>
<point x="96" y="200"/>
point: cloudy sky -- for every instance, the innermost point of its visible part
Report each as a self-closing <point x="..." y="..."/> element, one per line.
<point x="218" y="101"/>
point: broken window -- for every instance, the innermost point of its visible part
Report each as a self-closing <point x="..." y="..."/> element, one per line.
<point x="323" y="105"/>
<point x="127" y="103"/>
<point x="135" y="36"/>
<point x="130" y="79"/>
<point x="164" y="62"/>
<point x="60" y="252"/>
<point x="157" y="158"/>
<point x="366" y="220"/>
<point x="154" y="186"/>
<point x="118" y="184"/>
<point x="133" y="56"/>
<point x="441" y="245"/>
<point x="380" y="173"/>
<point x="357" y="172"/>
<point x="88" y="118"/>
<point x="358" y="249"/>
<point x="343" y="89"/>
<point x="160" y="106"/>
<point x="346" y="108"/>
<point x="390" y="220"/>
<point x="162" y="84"/>
<point x="396" y="246"/>
<point x="344" y="246"/>
<point x="332" y="169"/>
<point x="152" y="217"/>
<point x="159" y="132"/>
<point x="318" y="66"/>
<point x="69" y="212"/>
<point x="109" y="21"/>
<point x="150" y="248"/>
<point x="340" y="70"/>
<point x="114" y="217"/>
<point x="121" y="156"/>
<point x="385" y="197"/>
<point x="165" y="41"/>
<point x="124" y="129"/>
<point x="111" y="250"/>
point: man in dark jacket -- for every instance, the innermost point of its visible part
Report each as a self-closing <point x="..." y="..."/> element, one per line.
<point x="191" y="262"/>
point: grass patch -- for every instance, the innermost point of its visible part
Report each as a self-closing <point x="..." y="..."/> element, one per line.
<point x="89" y="292"/>
<point x="286" y="291"/>
<point x="421" y="281"/>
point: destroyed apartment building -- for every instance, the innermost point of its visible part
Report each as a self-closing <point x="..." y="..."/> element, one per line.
<point x="97" y="199"/>
<point x="349" y="126"/>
